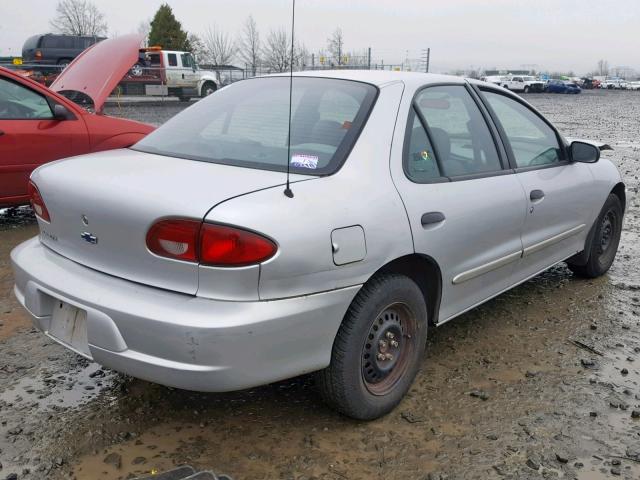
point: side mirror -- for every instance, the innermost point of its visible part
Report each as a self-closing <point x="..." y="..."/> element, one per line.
<point x="584" y="152"/>
<point x="60" y="112"/>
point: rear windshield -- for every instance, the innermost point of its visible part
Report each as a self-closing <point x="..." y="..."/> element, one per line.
<point x="32" y="42"/>
<point x="246" y="124"/>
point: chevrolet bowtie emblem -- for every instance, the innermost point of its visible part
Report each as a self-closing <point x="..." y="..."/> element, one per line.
<point x="88" y="237"/>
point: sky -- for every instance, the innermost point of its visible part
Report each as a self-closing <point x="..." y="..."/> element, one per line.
<point x="546" y="35"/>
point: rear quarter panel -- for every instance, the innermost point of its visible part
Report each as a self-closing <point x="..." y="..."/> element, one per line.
<point x="360" y="193"/>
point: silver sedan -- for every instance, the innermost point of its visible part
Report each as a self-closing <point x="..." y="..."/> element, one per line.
<point x="413" y="198"/>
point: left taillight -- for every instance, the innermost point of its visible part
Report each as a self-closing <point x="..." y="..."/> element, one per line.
<point x="208" y="244"/>
<point x="37" y="203"/>
<point x="175" y="238"/>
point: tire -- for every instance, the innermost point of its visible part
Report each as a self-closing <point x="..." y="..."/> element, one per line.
<point x="604" y="244"/>
<point x="185" y="99"/>
<point x="137" y="70"/>
<point x="387" y="317"/>
<point x="526" y="89"/>
<point x="63" y="63"/>
<point x="208" y="88"/>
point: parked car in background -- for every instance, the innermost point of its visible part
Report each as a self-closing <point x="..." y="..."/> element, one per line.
<point x="414" y="198"/>
<point x="495" y="79"/>
<point x="614" y="83"/>
<point x="562" y="86"/>
<point x="523" y="83"/>
<point x="38" y="124"/>
<point x="52" y="49"/>
<point x="633" y="86"/>
<point x="589" y="83"/>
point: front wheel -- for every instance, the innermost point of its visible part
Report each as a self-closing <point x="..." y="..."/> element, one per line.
<point x="378" y="349"/>
<point x="207" y="89"/>
<point x="603" y="246"/>
<point x="526" y="89"/>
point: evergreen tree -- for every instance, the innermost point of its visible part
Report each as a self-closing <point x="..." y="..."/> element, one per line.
<point x="167" y="32"/>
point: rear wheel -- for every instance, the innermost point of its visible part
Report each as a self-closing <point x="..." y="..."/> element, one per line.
<point x="378" y="349"/>
<point x="604" y="244"/>
<point x="63" y="63"/>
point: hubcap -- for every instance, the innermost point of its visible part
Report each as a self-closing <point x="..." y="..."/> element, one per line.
<point x="388" y="348"/>
<point x="607" y="231"/>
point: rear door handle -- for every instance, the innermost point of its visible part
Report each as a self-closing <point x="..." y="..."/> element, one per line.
<point x="536" y="195"/>
<point x="431" y="218"/>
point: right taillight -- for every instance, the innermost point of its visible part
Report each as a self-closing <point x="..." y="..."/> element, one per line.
<point x="37" y="203"/>
<point x="221" y="245"/>
<point x="208" y="243"/>
<point x="38" y="54"/>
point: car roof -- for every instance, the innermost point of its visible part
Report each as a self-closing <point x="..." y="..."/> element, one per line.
<point x="380" y="77"/>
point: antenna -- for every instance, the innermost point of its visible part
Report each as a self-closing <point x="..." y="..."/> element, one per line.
<point x="287" y="191"/>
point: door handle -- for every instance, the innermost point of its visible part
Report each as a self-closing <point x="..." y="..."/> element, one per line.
<point x="1" y="133"/>
<point x="536" y="195"/>
<point x="432" y="218"/>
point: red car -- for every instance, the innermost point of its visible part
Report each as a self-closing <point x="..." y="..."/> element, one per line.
<point x="40" y="124"/>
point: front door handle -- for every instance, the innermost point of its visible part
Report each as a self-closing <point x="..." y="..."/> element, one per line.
<point x="431" y="218"/>
<point x="536" y="195"/>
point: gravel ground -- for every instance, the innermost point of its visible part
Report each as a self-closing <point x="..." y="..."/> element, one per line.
<point x="541" y="382"/>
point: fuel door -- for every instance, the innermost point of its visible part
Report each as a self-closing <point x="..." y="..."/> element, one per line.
<point x="348" y="245"/>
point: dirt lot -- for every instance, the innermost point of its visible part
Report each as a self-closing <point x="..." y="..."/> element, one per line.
<point x="549" y="409"/>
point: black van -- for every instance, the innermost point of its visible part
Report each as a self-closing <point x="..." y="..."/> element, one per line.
<point x="51" y="49"/>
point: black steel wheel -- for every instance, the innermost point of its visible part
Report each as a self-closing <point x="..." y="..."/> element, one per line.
<point x="604" y="241"/>
<point x="378" y="349"/>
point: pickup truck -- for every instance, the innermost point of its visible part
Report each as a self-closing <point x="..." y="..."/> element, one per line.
<point x="172" y="73"/>
<point x="523" y="83"/>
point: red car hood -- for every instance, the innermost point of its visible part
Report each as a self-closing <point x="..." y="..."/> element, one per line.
<point x="97" y="70"/>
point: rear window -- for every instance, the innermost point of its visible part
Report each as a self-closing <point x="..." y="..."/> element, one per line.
<point x="246" y="124"/>
<point x="32" y="42"/>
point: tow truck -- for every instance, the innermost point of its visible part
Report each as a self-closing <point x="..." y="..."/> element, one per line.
<point x="172" y="73"/>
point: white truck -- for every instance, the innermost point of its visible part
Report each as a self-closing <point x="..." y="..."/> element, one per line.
<point x="172" y="73"/>
<point x="522" y="83"/>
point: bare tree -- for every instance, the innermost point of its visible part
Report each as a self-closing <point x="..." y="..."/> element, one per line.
<point x="220" y="49"/>
<point x="603" y="67"/>
<point x="250" y="48"/>
<point x="78" y="17"/>
<point x="335" y="45"/>
<point x="144" y="27"/>
<point x="277" y="51"/>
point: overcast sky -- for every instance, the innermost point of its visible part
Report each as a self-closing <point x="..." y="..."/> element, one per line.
<point x="543" y="34"/>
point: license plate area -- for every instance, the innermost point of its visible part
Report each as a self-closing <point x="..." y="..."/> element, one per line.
<point x="69" y="326"/>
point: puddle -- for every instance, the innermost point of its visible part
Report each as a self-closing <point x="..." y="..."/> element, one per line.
<point x="68" y="390"/>
<point x="601" y="469"/>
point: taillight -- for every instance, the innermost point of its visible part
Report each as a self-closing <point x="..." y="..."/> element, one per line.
<point x="209" y="244"/>
<point x="233" y="247"/>
<point x="37" y="203"/>
<point x="38" y="54"/>
<point x="174" y="239"/>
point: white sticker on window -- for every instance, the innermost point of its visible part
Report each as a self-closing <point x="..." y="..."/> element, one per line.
<point x="304" y="161"/>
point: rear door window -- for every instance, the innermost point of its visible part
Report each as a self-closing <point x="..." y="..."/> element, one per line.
<point x="172" y="59"/>
<point x="419" y="157"/>
<point x="462" y="140"/>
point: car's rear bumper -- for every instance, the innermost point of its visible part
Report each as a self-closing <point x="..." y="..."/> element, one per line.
<point x="180" y="340"/>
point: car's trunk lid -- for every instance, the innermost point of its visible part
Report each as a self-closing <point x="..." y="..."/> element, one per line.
<point x="102" y="206"/>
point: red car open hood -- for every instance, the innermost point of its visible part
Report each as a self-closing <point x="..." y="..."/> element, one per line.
<point x="97" y="70"/>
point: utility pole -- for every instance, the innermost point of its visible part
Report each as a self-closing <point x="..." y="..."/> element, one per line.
<point x="426" y="56"/>
<point x="369" y="59"/>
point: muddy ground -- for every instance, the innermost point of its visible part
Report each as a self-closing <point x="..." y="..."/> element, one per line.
<point x="550" y="409"/>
